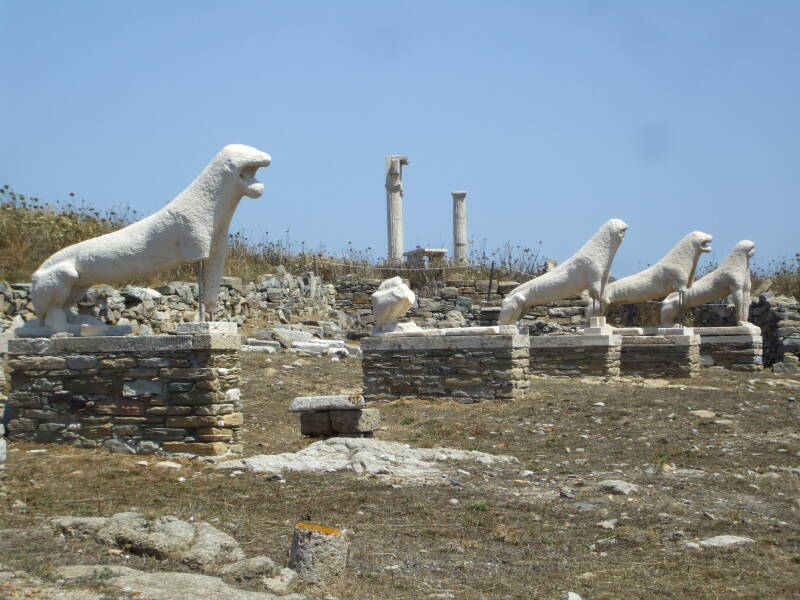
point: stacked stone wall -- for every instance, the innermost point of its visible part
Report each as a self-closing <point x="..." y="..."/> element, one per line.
<point x="153" y="311"/>
<point x="575" y="356"/>
<point x="134" y="394"/>
<point x="735" y="352"/>
<point x="463" y="368"/>
<point x="668" y="356"/>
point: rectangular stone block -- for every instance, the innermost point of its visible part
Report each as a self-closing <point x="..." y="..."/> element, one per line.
<point x="191" y="421"/>
<point x="317" y="403"/>
<point x="119" y="406"/>
<point x="207" y="328"/>
<point x="201" y="448"/>
<point x="355" y="421"/>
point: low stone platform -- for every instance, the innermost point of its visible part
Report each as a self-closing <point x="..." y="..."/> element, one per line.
<point x="133" y="394"/>
<point x="575" y="355"/>
<point x="466" y="368"/>
<point x="736" y="348"/>
<point x="671" y="356"/>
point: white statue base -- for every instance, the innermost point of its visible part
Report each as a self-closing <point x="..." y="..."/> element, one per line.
<point x="77" y="326"/>
<point x="452" y="331"/>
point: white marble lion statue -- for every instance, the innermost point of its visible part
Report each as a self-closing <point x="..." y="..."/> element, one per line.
<point x="191" y="228"/>
<point x="731" y="278"/>
<point x="673" y="273"/>
<point x="586" y="270"/>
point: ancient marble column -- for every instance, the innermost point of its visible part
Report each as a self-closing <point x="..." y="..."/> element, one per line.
<point x="394" y="205"/>
<point x="459" y="227"/>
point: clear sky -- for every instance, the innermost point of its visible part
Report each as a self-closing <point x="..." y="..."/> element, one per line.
<point x="553" y="116"/>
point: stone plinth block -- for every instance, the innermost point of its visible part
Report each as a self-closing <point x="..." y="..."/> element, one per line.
<point x="339" y="402"/>
<point x="670" y="356"/>
<point x="466" y="368"/>
<point x="735" y="348"/>
<point x="316" y="424"/>
<point x="318" y="553"/>
<point x="135" y="394"/>
<point x="576" y="355"/>
<point x="207" y="327"/>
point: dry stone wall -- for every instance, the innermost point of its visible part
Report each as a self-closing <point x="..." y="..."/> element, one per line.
<point x="131" y="394"/>
<point x="157" y="311"/>
<point x="469" y="368"/>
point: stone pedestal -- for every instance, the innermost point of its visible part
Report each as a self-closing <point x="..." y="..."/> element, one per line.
<point x="660" y="355"/>
<point x="133" y="394"/>
<point x="737" y="348"/>
<point x="466" y="368"/>
<point x="342" y="415"/>
<point x="575" y="355"/>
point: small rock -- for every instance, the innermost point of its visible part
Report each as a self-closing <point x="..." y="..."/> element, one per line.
<point x="250" y="568"/>
<point x="571" y="596"/>
<point x="566" y="493"/>
<point x="167" y="464"/>
<point x="608" y="524"/>
<point x="618" y="487"/>
<point x="282" y="583"/>
<point x="703" y="414"/>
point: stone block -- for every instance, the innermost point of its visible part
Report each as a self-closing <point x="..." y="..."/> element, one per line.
<point x="355" y="421"/>
<point x="316" y="423"/>
<point x="207" y="328"/>
<point x="191" y="421"/>
<point x="213" y="434"/>
<point x="231" y="420"/>
<point x="119" y="406"/>
<point x="201" y="448"/>
<point x="317" y="403"/>
<point x="142" y="387"/>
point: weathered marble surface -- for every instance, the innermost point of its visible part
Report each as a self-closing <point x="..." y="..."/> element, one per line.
<point x="587" y="269"/>
<point x="191" y="228"/>
<point x="731" y="278"/>
<point x="674" y="272"/>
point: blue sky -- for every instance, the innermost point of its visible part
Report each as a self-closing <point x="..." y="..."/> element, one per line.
<point x="553" y="116"/>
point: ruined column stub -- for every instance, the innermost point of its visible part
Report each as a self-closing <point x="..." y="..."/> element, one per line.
<point x="459" y="227"/>
<point x="394" y="205"/>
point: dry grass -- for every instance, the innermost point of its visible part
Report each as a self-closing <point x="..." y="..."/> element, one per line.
<point x="508" y="536"/>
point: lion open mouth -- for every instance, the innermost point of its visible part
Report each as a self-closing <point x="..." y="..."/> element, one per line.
<point x="705" y="246"/>
<point x="248" y="176"/>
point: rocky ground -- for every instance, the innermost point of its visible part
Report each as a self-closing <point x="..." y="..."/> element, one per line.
<point x="617" y="490"/>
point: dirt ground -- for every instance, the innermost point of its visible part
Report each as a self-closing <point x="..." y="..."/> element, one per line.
<point x="529" y="530"/>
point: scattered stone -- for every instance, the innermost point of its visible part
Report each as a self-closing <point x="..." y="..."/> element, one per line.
<point x="571" y="596"/>
<point x="250" y="568"/>
<point x="618" y="487"/>
<point x="168" y="464"/>
<point x="318" y="553"/>
<point x="703" y="414"/>
<point x="282" y="583"/>
<point x="608" y="524"/>
<point x="725" y="541"/>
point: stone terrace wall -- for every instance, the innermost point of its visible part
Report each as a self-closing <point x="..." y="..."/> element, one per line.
<point x="132" y="394"/>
